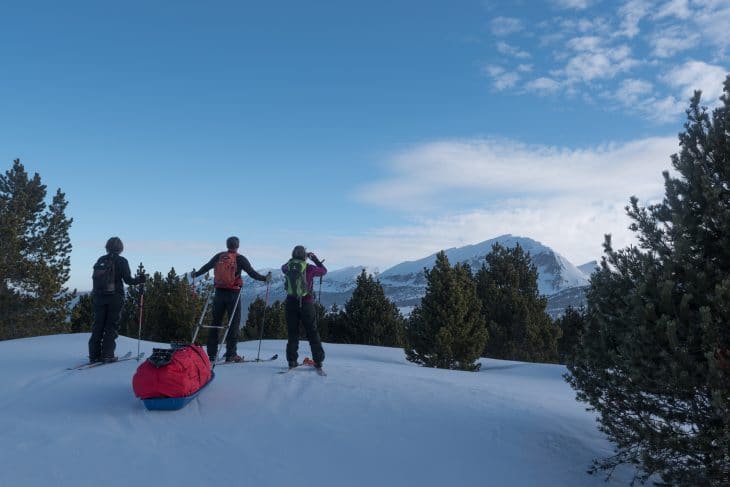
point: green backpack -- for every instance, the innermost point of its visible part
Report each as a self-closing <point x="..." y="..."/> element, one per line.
<point x="295" y="278"/>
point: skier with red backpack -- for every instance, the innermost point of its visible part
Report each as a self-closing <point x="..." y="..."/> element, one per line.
<point x="227" y="267"/>
<point x="299" y="284"/>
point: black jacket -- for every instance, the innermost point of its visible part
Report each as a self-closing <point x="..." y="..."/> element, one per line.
<point x="122" y="273"/>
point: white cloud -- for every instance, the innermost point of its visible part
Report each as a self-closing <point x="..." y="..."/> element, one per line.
<point x="640" y="96"/>
<point x="510" y="50"/>
<point x="712" y="20"/>
<point x="573" y="4"/>
<point x="632" y="13"/>
<point x="664" y="109"/>
<point x="635" y="89"/>
<point x="501" y="78"/>
<point x="568" y="199"/>
<point x="427" y="174"/>
<point x="594" y="26"/>
<point x="592" y="60"/>
<point x="669" y="41"/>
<point x="543" y="85"/>
<point x="595" y="55"/>
<point x="674" y="8"/>
<point x="697" y="75"/>
<point x="569" y="226"/>
<point x="504" y="26"/>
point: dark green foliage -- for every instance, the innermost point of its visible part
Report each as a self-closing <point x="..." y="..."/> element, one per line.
<point x="571" y="325"/>
<point x="82" y="314"/>
<point x="334" y="324"/>
<point x="658" y="320"/>
<point x="274" y="321"/>
<point x="370" y="318"/>
<point x="448" y="329"/>
<point x="34" y="257"/>
<point x="129" y="321"/>
<point x="519" y="327"/>
<point x="323" y="324"/>
<point x="170" y="311"/>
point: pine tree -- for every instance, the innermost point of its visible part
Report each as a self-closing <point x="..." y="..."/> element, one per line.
<point x="519" y="327"/>
<point x="447" y="330"/>
<point x="334" y="323"/>
<point x="571" y="326"/>
<point x="82" y="314"/>
<point x="129" y="320"/>
<point x="274" y="321"/>
<point x="651" y="362"/>
<point x="35" y="257"/>
<point x="370" y="317"/>
<point x="170" y="310"/>
<point x="323" y="325"/>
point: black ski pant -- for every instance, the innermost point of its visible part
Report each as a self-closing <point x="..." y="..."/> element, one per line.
<point x="225" y="302"/>
<point x="303" y="313"/>
<point x="104" y="331"/>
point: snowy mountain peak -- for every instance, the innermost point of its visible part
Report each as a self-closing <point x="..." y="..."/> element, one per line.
<point x="555" y="271"/>
<point x="589" y="267"/>
<point x="405" y="283"/>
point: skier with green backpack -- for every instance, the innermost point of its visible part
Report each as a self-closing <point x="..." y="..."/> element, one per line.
<point x="299" y="308"/>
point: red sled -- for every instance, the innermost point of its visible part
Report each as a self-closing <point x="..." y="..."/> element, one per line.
<point x="170" y="379"/>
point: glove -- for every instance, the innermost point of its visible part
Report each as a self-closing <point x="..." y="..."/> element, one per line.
<point x="268" y="277"/>
<point x="314" y="258"/>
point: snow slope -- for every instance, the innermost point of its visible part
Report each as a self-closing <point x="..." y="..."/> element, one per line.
<point x="375" y="420"/>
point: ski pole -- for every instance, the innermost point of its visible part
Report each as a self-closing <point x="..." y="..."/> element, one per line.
<point x="319" y="295"/>
<point x="263" y="320"/>
<point x="141" y="307"/>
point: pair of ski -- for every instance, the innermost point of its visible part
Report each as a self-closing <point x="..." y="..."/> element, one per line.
<point x="91" y="365"/>
<point x="246" y="361"/>
<point x="307" y="363"/>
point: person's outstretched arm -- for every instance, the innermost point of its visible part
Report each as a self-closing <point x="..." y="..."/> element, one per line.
<point x="244" y="264"/>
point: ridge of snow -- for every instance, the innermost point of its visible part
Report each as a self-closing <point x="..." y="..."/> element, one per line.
<point x="376" y="419"/>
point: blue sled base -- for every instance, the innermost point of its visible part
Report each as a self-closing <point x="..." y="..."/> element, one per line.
<point x="173" y="403"/>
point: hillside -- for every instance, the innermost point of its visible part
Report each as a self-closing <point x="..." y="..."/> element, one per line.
<point x="405" y="283"/>
<point x="376" y="420"/>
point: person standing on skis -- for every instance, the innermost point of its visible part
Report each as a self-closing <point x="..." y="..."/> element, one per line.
<point x="108" y="293"/>
<point x="228" y="283"/>
<point x="299" y="308"/>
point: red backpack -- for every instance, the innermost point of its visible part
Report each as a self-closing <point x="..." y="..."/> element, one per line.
<point x="224" y="273"/>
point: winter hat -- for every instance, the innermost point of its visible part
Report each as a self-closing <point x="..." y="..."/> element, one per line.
<point x="299" y="252"/>
<point x="114" y="245"/>
<point x="232" y="243"/>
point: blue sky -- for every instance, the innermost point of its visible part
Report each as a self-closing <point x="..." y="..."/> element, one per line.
<point x="370" y="132"/>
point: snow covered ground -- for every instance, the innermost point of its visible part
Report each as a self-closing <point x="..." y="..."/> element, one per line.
<point x="375" y="420"/>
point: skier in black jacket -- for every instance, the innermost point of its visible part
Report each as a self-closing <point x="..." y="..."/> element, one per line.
<point x="108" y="296"/>
<point x="227" y="281"/>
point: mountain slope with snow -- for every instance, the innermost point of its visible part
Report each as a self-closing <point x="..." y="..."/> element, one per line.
<point x="376" y="419"/>
<point x="405" y="283"/>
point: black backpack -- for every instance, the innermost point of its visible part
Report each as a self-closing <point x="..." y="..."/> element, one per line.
<point x="104" y="276"/>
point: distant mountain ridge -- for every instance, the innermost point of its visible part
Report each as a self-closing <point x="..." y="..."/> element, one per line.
<point x="405" y="283"/>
